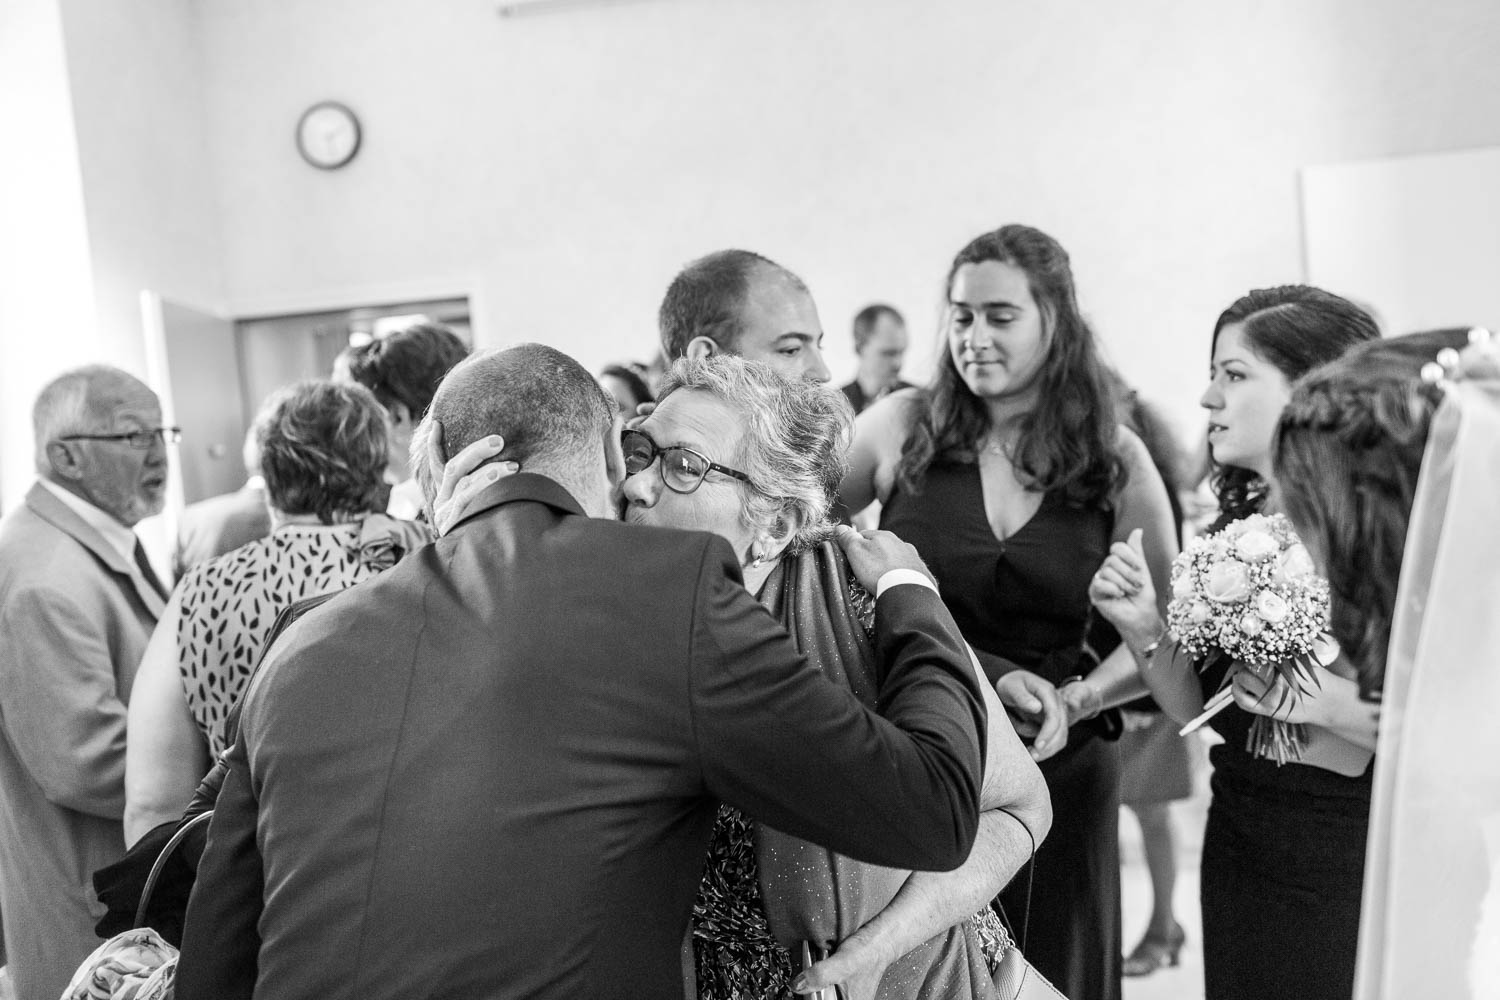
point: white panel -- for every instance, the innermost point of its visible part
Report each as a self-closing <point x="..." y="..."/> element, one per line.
<point x="1417" y="238"/>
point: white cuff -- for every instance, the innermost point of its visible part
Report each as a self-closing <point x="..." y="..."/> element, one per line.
<point x="895" y="577"/>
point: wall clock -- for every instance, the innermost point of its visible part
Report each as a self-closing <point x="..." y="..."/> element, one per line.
<point x="328" y="135"/>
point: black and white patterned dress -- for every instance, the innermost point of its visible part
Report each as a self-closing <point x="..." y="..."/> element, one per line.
<point x="230" y="603"/>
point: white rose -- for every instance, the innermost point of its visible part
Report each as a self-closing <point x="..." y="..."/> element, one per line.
<point x="1271" y="607"/>
<point x="1256" y="545"/>
<point x="1228" y="582"/>
<point x="1295" y="563"/>
<point x="1251" y="625"/>
<point x="1182" y="585"/>
<point x="1199" y="613"/>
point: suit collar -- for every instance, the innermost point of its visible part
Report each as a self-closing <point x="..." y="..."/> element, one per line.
<point x="521" y="486"/>
<point x="58" y="514"/>
<point x="119" y="537"/>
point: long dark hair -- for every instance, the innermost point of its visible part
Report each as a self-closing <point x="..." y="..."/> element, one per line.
<point x="1347" y="454"/>
<point x="1067" y="443"/>
<point x="1294" y="328"/>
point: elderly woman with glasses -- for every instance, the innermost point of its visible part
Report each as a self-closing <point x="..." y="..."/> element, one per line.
<point x="323" y="454"/>
<point x="734" y="449"/>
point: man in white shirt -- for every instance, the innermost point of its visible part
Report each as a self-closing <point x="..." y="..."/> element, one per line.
<point x="78" y="601"/>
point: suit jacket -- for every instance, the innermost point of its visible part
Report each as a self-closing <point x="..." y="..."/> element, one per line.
<point x="73" y="626"/>
<point x="493" y="770"/>
<point x="218" y="525"/>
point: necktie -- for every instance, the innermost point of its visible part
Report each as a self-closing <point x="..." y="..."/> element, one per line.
<point x="144" y="565"/>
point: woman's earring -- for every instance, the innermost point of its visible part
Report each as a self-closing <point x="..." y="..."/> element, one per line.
<point x="760" y="558"/>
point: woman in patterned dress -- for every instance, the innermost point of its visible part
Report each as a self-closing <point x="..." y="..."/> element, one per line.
<point x="323" y="451"/>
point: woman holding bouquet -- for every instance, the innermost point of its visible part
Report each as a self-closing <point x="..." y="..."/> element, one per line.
<point x="1283" y="853"/>
<point x="1011" y="476"/>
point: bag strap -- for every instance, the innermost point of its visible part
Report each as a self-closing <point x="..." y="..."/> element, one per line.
<point x="1020" y="940"/>
<point x="161" y="862"/>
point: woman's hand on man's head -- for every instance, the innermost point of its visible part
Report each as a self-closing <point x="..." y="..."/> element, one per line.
<point x="465" y="475"/>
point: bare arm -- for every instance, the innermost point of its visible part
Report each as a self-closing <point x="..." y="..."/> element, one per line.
<point x="931" y="902"/>
<point x="879" y="435"/>
<point x="1140" y="506"/>
<point x="1122" y="591"/>
<point x="1130" y="590"/>
<point x="165" y="754"/>
<point x="1334" y="703"/>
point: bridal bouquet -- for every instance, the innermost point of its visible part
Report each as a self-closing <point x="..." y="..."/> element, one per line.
<point x="1250" y="593"/>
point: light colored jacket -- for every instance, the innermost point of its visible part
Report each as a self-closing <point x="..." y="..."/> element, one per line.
<point x="74" y="623"/>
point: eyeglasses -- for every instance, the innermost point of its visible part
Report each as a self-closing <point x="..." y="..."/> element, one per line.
<point x="682" y="469"/>
<point x="141" y="440"/>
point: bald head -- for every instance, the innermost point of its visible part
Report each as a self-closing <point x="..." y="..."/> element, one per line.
<point x="553" y="415"/>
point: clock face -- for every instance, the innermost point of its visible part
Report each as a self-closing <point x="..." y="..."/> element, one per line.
<point x="328" y="135"/>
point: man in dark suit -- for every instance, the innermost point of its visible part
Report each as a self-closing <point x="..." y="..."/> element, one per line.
<point x="223" y="523"/>
<point x="493" y="771"/>
<point x="78" y="601"/>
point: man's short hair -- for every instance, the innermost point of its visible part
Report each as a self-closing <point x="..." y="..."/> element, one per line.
<point x="407" y="366"/>
<point x="67" y="405"/>
<point x="546" y="405"/>
<point x="707" y="299"/>
<point x="865" y="320"/>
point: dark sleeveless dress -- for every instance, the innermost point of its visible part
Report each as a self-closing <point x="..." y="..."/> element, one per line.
<point x="1282" y="871"/>
<point x="1025" y="601"/>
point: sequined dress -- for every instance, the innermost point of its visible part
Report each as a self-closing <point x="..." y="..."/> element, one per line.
<point x="736" y="955"/>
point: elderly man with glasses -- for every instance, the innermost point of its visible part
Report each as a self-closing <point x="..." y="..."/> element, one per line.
<point x="78" y="601"/>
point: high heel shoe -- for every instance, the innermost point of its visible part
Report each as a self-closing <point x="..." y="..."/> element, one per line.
<point x="1153" y="953"/>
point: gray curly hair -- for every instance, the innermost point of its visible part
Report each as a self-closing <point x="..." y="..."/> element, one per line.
<point x="796" y="442"/>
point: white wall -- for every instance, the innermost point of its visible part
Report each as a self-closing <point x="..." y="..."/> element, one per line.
<point x="46" y="287"/>
<point x="136" y="71"/>
<point x="1416" y="237"/>
<point x="561" y="167"/>
<point x="107" y="190"/>
<point x="569" y="163"/>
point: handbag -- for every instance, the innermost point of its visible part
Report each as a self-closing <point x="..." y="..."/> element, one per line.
<point x="137" y="964"/>
<point x="1016" y="978"/>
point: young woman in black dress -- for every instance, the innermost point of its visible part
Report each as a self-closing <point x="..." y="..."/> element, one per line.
<point x="1011" y="476"/>
<point x="1283" y="853"/>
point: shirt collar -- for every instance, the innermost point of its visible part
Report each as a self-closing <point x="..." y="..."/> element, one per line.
<point x="119" y="537"/>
